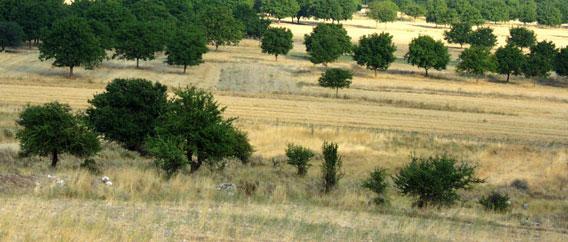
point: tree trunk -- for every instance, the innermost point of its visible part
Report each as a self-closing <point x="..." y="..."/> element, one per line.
<point x="195" y="165"/>
<point x="184" y="69"/>
<point x="427" y="73"/>
<point x="336" y="92"/>
<point x="216" y="47"/>
<point x="375" y="72"/>
<point x="508" y="77"/>
<point x="54" y="158"/>
<point x="137" y="63"/>
<point x="276" y="57"/>
<point x="71" y="71"/>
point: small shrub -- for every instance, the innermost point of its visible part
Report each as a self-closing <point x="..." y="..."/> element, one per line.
<point x="248" y="188"/>
<point x="496" y="201"/>
<point x="521" y="185"/>
<point x="91" y="166"/>
<point x="331" y="167"/>
<point x="377" y="183"/>
<point x="169" y="156"/>
<point x="435" y="180"/>
<point x="300" y="157"/>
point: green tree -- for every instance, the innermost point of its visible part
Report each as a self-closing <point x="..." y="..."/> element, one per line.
<point x="521" y="37"/>
<point x="348" y="7"/>
<point x="336" y="78"/>
<point x="255" y="26"/>
<point x="468" y="14"/>
<point x="561" y="63"/>
<point x="299" y="157"/>
<point x="510" y="60"/>
<point x="540" y="61"/>
<point x="483" y="37"/>
<point x="186" y="48"/>
<point x="11" y="35"/>
<point x="195" y="119"/>
<point x="306" y="9"/>
<point x="139" y="41"/>
<point x="527" y="13"/>
<point x="326" y="10"/>
<point x="377" y="183"/>
<point x="495" y="10"/>
<point x="435" y="180"/>
<point x="331" y="167"/>
<point x="70" y="43"/>
<point x="51" y="129"/>
<point x="277" y="41"/>
<point x="221" y="27"/>
<point x="327" y="43"/>
<point x="476" y="60"/>
<point x="427" y="53"/>
<point x="413" y="9"/>
<point x="281" y="8"/>
<point x="548" y="14"/>
<point x="383" y="11"/>
<point x="436" y="10"/>
<point x="127" y="112"/>
<point x="169" y="154"/>
<point x="375" y="51"/>
<point x="458" y="34"/>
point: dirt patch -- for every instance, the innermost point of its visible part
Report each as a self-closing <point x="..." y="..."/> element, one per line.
<point x="255" y="78"/>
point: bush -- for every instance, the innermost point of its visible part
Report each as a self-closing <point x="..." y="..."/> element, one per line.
<point x="435" y="180"/>
<point x="496" y="201"/>
<point x="327" y="43"/>
<point x="300" y="157"/>
<point x="169" y="156"/>
<point x="336" y="78"/>
<point x="377" y="183"/>
<point x="331" y="167"/>
<point x="427" y="53"/>
<point x="91" y="166"/>
<point x="127" y="112"/>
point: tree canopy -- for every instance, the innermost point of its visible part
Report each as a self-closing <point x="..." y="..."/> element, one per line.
<point x="51" y="129"/>
<point x="540" y="61"/>
<point x="521" y="37"/>
<point x="281" y="8"/>
<point x="427" y="53"/>
<point x="327" y="42"/>
<point x="383" y="11"/>
<point x="71" y="43"/>
<point x="510" y="60"/>
<point x="476" y="60"/>
<point x="561" y="63"/>
<point x="277" y="41"/>
<point x="336" y="78"/>
<point x="11" y="35"/>
<point x="186" y="47"/>
<point x="375" y="51"/>
<point x="221" y="27"/>
<point x="459" y="33"/>
<point x="483" y="37"/>
<point x="139" y="41"/>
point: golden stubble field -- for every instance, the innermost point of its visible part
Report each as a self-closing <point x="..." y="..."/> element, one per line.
<point x="513" y="131"/>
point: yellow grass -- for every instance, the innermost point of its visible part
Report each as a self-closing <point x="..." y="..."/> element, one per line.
<point x="513" y="131"/>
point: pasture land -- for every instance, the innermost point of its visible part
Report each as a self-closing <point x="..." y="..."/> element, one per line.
<point x="512" y="131"/>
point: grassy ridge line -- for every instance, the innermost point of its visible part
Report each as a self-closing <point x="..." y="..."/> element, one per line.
<point x="66" y="219"/>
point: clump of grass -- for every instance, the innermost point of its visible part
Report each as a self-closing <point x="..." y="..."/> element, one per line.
<point x="496" y="201"/>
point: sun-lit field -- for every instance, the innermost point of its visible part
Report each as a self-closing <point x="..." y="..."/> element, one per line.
<point x="516" y="130"/>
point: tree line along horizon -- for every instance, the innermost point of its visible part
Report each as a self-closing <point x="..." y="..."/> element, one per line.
<point x="85" y="32"/>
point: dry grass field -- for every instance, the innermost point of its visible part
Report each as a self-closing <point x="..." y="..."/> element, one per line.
<point x="516" y="130"/>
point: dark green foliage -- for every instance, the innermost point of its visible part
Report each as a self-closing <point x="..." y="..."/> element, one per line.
<point x="458" y="34"/>
<point x="331" y="167"/>
<point x="51" y="129"/>
<point x="413" y="9"/>
<point x="255" y="26"/>
<point x="375" y="51"/>
<point x="139" y="41"/>
<point x="383" y="11"/>
<point x="561" y="63"/>
<point x="483" y="37"/>
<point x="71" y="43"/>
<point x="528" y="11"/>
<point x="194" y="120"/>
<point x="348" y="7"/>
<point x="336" y="78"/>
<point x="299" y="157"/>
<point x="436" y="11"/>
<point x="521" y="37"/>
<point x="32" y="15"/>
<point x="468" y="14"/>
<point x="170" y="157"/>
<point x="427" y="53"/>
<point x="327" y="43"/>
<point x="510" y="60"/>
<point x="435" y="180"/>
<point x="548" y="14"/>
<point x="186" y="48"/>
<point x="541" y="60"/>
<point x="377" y="183"/>
<point x="91" y="166"/>
<point x="277" y="41"/>
<point x="280" y="8"/>
<point x="496" y="201"/>
<point x="521" y="185"/>
<point x="127" y="111"/>
<point x="476" y="60"/>
<point x="306" y="9"/>
<point x="221" y="27"/>
<point x="11" y="35"/>
<point x="494" y="10"/>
